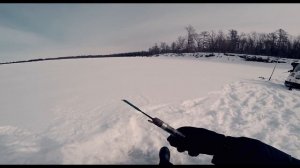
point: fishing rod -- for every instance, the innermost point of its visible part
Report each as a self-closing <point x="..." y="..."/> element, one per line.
<point x="274" y="68"/>
<point x="158" y="122"/>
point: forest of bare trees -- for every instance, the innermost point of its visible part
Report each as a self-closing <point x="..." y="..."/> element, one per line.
<point x="277" y="43"/>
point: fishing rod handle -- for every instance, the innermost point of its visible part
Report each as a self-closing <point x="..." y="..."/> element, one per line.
<point x="158" y="122"/>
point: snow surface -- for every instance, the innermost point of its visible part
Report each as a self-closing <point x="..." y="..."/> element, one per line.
<point x="70" y="111"/>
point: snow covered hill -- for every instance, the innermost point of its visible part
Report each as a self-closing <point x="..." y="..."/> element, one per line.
<point x="70" y="111"/>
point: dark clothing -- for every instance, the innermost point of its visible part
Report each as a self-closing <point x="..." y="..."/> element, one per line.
<point x="243" y="150"/>
<point x="227" y="149"/>
<point x="294" y="64"/>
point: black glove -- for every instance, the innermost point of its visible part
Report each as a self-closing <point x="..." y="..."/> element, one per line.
<point x="197" y="140"/>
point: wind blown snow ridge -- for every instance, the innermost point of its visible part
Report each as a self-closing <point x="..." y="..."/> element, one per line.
<point x="253" y="108"/>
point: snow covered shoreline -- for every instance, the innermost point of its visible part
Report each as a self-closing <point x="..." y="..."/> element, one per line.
<point x="70" y="111"/>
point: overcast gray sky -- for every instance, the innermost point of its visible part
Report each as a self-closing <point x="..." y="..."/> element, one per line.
<point x="51" y="30"/>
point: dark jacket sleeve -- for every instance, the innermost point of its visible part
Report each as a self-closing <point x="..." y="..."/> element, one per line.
<point x="242" y="150"/>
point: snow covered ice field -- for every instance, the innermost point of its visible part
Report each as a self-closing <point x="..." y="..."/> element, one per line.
<point x="70" y="111"/>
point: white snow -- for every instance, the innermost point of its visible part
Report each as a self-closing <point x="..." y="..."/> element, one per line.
<point x="70" y="111"/>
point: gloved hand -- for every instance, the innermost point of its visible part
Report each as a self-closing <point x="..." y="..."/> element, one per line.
<point x="197" y="140"/>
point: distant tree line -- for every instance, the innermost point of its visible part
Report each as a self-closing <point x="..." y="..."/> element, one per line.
<point x="133" y="54"/>
<point x="128" y="54"/>
<point x="278" y="43"/>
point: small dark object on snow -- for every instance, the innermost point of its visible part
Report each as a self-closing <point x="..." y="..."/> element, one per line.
<point x="209" y="55"/>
